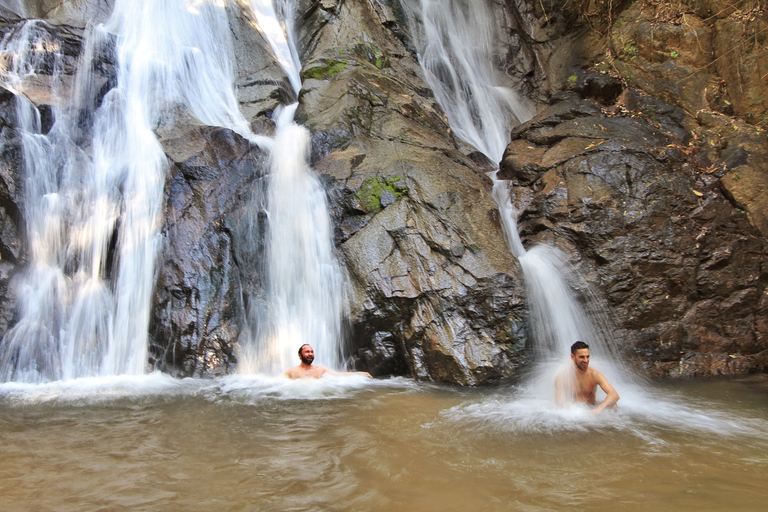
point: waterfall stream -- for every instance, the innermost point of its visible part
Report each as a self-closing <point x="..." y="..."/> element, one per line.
<point x="305" y="288"/>
<point x="455" y="40"/>
<point x="82" y="313"/>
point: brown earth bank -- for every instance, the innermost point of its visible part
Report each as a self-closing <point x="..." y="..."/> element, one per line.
<point x="647" y="162"/>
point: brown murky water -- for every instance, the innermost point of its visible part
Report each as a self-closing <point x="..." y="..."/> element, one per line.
<point x="351" y="445"/>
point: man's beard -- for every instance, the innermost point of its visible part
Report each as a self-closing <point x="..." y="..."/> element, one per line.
<point x="307" y="360"/>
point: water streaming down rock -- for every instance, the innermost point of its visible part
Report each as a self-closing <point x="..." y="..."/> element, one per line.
<point x="456" y="55"/>
<point x="305" y="289"/>
<point x="94" y="182"/>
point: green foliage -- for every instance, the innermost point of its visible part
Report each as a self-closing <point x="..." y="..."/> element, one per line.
<point x="630" y="49"/>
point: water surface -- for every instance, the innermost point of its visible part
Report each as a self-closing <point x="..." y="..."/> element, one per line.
<point x="248" y="443"/>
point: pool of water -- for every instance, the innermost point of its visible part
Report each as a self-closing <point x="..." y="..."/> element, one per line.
<point x="351" y="444"/>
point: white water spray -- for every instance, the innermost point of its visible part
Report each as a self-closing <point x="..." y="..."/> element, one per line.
<point x="305" y="288"/>
<point x="81" y="315"/>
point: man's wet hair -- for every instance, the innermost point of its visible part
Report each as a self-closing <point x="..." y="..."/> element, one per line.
<point x="301" y="347"/>
<point x="578" y="346"/>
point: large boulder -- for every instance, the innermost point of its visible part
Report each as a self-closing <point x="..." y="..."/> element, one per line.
<point x="435" y="292"/>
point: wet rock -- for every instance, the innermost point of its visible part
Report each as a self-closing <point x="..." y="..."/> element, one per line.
<point x="12" y="254"/>
<point x="522" y="162"/>
<point x="10" y="241"/>
<point x="554" y="41"/>
<point x="56" y="59"/>
<point x="197" y="312"/>
<point x="63" y="12"/>
<point x="261" y="83"/>
<point x="7" y="297"/>
<point x="11" y="196"/>
<point x="601" y="87"/>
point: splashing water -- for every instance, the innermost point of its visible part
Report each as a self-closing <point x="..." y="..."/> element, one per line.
<point x="305" y="294"/>
<point x="96" y="178"/>
<point x="455" y="41"/>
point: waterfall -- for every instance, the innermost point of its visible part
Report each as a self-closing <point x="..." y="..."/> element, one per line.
<point x="454" y="39"/>
<point x="96" y="179"/>
<point x="305" y="288"/>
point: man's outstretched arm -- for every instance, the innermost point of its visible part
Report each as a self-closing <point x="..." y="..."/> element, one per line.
<point x="349" y="373"/>
<point x="611" y="395"/>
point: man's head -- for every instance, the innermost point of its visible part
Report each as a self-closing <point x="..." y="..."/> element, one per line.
<point x="580" y="355"/>
<point x="577" y="346"/>
<point x="306" y="354"/>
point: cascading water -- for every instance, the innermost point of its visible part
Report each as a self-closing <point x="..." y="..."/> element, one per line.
<point x="97" y="177"/>
<point x="456" y="54"/>
<point x="305" y="288"/>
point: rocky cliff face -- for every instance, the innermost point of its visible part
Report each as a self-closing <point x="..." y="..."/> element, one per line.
<point x="661" y="206"/>
<point x="660" y="197"/>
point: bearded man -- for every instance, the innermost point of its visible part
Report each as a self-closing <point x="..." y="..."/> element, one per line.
<point x="307" y="370"/>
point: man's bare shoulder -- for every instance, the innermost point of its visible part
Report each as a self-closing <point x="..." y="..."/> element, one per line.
<point x="595" y="374"/>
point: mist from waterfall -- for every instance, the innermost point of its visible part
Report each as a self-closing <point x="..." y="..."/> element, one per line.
<point x="455" y="39"/>
<point x="305" y="294"/>
<point x="93" y="193"/>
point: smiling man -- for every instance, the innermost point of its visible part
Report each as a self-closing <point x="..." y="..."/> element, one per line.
<point x="579" y="383"/>
<point x="307" y="370"/>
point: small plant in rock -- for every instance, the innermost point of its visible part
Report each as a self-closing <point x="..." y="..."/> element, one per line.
<point x="630" y="49"/>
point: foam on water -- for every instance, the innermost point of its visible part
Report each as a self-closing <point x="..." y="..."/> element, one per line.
<point x="256" y="388"/>
<point x="516" y="411"/>
<point x="93" y="391"/>
<point x="241" y="388"/>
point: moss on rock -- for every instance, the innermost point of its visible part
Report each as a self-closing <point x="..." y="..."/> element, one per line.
<point x="328" y="69"/>
<point x="371" y="191"/>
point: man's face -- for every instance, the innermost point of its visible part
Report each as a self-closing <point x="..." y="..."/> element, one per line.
<point x="307" y="354"/>
<point x="581" y="359"/>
